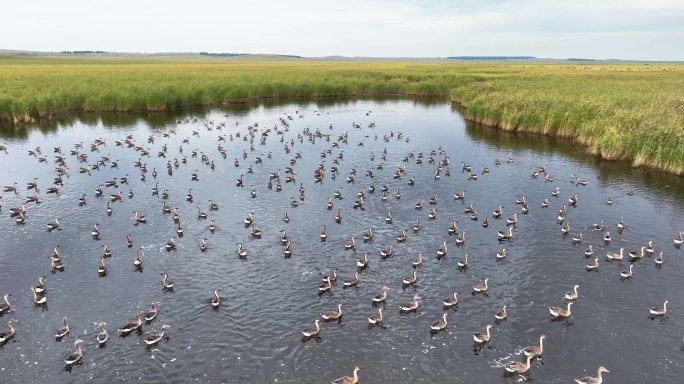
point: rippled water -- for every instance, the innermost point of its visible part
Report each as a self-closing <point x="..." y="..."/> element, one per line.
<point x="268" y="300"/>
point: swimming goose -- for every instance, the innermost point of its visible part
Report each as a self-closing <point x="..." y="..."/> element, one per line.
<point x="242" y="252"/>
<point x="352" y="282"/>
<point x="165" y="194"/>
<point x="102" y="268"/>
<point x="362" y="263"/>
<point x="325" y="286"/>
<point x="573" y="200"/>
<point x="627" y="274"/>
<point x="441" y="252"/>
<point x="519" y="368"/>
<point x="154" y="338"/>
<point x="433" y="200"/>
<point x="607" y="237"/>
<point x="4" y="307"/>
<point x="82" y="201"/>
<point x="411" y="305"/>
<point x="477" y="288"/>
<point x="451" y="301"/>
<point x="152" y="313"/>
<point x="485" y="169"/>
<point x="485" y="223"/>
<point x="63" y="330"/>
<point x="416" y="226"/>
<point x="520" y="200"/>
<point x="201" y="215"/>
<point x="621" y="223"/>
<point x="40" y="287"/>
<point x="53" y="189"/>
<point x="650" y="248"/>
<point x="171" y="244"/>
<point x="216" y="300"/>
<point x="333" y="315"/>
<point x="348" y="379"/>
<point x="56" y="264"/>
<point x="106" y="252"/>
<point x="5" y="336"/>
<point x="212" y="226"/>
<point x="678" y="240"/>
<point x="37" y="298"/>
<point x="137" y="262"/>
<point x="659" y="259"/>
<point x="376" y="319"/>
<point x="453" y="229"/>
<point x="418" y="261"/>
<point x="324" y="234"/>
<point x="332" y="276"/>
<point x="572" y="295"/>
<point x="386" y="253"/>
<point x="593" y="380"/>
<point x="380" y="297"/>
<point x="189" y="197"/>
<point x="506" y="235"/>
<point x="615" y="256"/>
<point x="555" y="192"/>
<point x="138" y="218"/>
<point x="463" y="263"/>
<point x="402" y="237"/>
<point x="482" y="338"/>
<point x="535" y="351"/>
<point x="545" y="203"/>
<point x="461" y="239"/>
<point x="577" y="239"/>
<point x="501" y="315"/>
<point x="350" y="244"/>
<point x="311" y="332"/>
<point x="565" y="229"/>
<point x="433" y="214"/>
<point x="593" y="265"/>
<point x="129" y="242"/>
<point x="561" y="312"/>
<point x="176" y="216"/>
<point x="388" y="219"/>
<point x="635" y="255"/>
<point x="203" y="245"/>
<point x="165" y="208"/>
<point x="658" y="311"/>
<point x="439" y="325"/>
<point x="166" y="283"/>
<point x="460" y="196"/>
<point x="497" y="214"/>
<point x="589" y="251"/>
<point x="132" y="325"/>
<point x="410" y="280"/>
<point x="75" y="357"/>
<point x="52" y="226"/>
<point x="102" y="336"/>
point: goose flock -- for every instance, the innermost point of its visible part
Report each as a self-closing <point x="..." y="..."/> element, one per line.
<point x="238" y="146"/>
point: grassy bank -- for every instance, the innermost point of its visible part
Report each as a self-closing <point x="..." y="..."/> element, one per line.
<point x="630" y="112"/>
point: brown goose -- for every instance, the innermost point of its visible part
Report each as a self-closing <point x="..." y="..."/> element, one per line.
<point x="349" y="379"/>
<point x="333" y="315"/>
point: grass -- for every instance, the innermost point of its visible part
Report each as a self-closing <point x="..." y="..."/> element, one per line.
<point x="619" y="112"/>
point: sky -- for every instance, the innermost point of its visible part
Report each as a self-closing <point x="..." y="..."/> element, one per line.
<point x="596" y="29"/>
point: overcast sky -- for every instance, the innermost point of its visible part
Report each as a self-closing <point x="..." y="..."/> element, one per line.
<point x="624" y="29"/>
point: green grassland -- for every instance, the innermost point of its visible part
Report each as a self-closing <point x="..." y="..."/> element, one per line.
<point x="632" y="112"/>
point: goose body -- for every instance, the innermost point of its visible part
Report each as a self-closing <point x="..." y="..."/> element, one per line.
<point x="166" y="283"/>
<point x="627" y="274"/>
<point x="411" y="305"/>
<point x="376" y="319"/>
<point x="593" y="380"/>
<point x="4" y="307"/>
<point x="133" y="325"/>
<point x="410" y="280"/>
<point x="310" y="332"/>
<point x="152" y="313"/>
<point x="440" y="324"/>
<point x="353" y="281"/>
<point x="348" y="379"/>
<point x="63" y="330"/>
<point x="333" y="315"/>
<point x="363" y="263"/>
<point x="451" y="301"/>
<point x="381" y="297"/>
<point x="502" y="315"/>
<point x="102" y="336"/>
<point x="615" y="256"/>
<point x="481" y="287"/>
<point x="5" y="336"/>
<point x="659" y="311"/>
<point x="481" y="337"/>
<point x="75" y="356"/>
<point x="561" y="312"/>
<point x="593" y="265"/>
<point x="418" y="260"/>
<point x="519" y="368"/>
<point x="535" y="351"/>
<point x="154" y="338"/>
<point x="572" y="295"/>
<point x="37" y="298"/>
<point x="463" y="263"/>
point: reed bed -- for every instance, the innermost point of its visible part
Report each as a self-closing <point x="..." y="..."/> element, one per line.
<point x="618" y="112"/>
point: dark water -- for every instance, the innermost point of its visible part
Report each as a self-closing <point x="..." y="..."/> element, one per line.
<point x="268" y="300"/>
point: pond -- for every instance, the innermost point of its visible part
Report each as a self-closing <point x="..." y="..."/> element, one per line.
<point x="267" y="299"/>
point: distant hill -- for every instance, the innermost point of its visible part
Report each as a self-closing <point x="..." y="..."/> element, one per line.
<point x="488" y="58"/>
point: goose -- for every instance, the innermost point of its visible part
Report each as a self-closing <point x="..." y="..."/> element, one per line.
<point x="482" y="338"/>
<point x="513" y="220"/>
<point x="615" y="256"/>
<point x="102" y="268"/>
<point x="350" y="244"/>
<point x="212" y="226"/>
<point x="176" y="216"/>
<point x="433" y="214"/>
<point x="242" y="252"/>
<point x="411" y="305"/>
<point x="165" y="208"/>
<point x="363" y="263"/>
<point x="502" y="315"/>
<point x="386" y="253"/>
<point x="4" y="307"/>
<point x="388" y="219"/>
<point x="402" y="237"/>
<point x="156" y="337"/>
<point x="171" y="244"/>
<point x="506" y="235"/>
<point x="439" y="325"/>
<point x="37" y="298"/>
<point x="419" y="205"/>
<point x="376" y="319"/>
<point x="659" y="259"/>
<point x="203" y="245"/>
<point x="635" y="255"/>
<point x="152" y="313"/>
<point x="485" y="223"/>
<point x="621" y="223"/>
<point x="561" y="312"/>
<point x="592" y="265"/>
<point x="520" y="200"/>
<point x="96" y="231"/>
<point x="441" y="252"/>
<point x="333" y="315"/>
<point x="52" y="226"/>
<point x="53" y="189"/>
<point x="658" y="311"/>
<point x="555" y="192"/>
<point x="165" y="194"/>
<point x="418" y="261"/>
<point x="577" y="239"/>
<point x="349" y="379"/>
<point x="311" y="332"/>
<point x="593" y="380"/>
<point x="481" y="288"/>
<point x="201" y="215"/>
<point x="40" y="287"/>
<point x="589" y="251"/>
<point x="461" y="239"/>
<point x="139" y="219"/>
<point x="56" y="264"/>
<point x="11" y="188"/>
<point x="75" y="357"/>
<point x="451" y="301"/>
<point x="82" y="201"/>
<point x="535" y="351"/>
<point x="382" y="296"/>
<point x="485" y="169"/>
<point x="518" y="367"/>
<point x="433" y="200"/>
<point x="410" y="280"/>
<point x="5" y="336"/>
<point x="573" y="200"/>
<point x="352" y="282"/>
<point x="545" y="203"/>
<point x="565" y="229"/>
<point x="332" y="276"/>
<point x="416" y="226"/>
<point x="102" y="336"/>
<point x="106" y="252"/>
<point x="166" y="283"/>
<point x="369" y="235"/>
<point x="607" y="238"/>
<point x="63" y="330"/>
<point x="650" y="250"/>
<point x="286" y="218"/>
<point x="463" y="263"/>
<point x="324" y="234"/>
<point x="627" y="274"/>
<point x="497" y="214"/>
<point x="132" y="325"/>
<point x="189" y="197"/>
<point x="572" y="295"/>
<point x="216" y="300"/>
<point x="325" y="286"/>
<point x="678" y="240"/>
